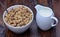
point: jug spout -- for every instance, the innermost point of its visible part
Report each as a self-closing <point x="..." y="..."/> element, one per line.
<point x="39" y="7"/>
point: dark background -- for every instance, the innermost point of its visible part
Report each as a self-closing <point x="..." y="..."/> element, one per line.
<point x="33" y="31"/>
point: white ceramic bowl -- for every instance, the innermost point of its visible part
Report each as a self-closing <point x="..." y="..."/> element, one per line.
<point x="17" y="29"/>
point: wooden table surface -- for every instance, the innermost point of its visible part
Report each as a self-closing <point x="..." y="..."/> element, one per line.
<point x="33" y="31"/>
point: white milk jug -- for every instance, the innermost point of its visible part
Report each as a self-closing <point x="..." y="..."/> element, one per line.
<point x="45" y="17"/>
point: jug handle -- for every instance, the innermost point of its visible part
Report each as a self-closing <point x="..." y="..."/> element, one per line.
<point x="54" y="18"/>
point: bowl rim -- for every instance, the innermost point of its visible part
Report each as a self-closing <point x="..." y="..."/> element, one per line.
<point x="19" y="26"/>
